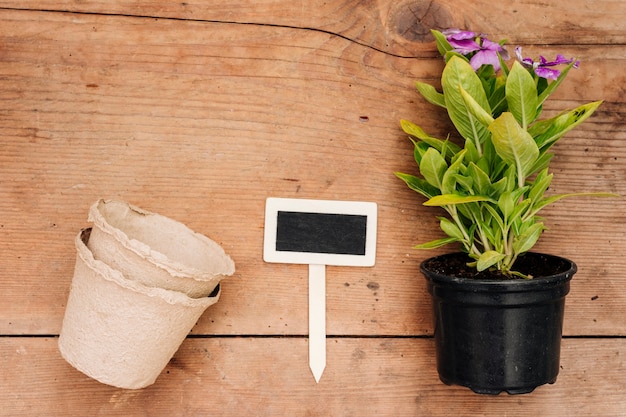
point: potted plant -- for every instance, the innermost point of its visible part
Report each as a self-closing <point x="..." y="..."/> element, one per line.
<point x="498" y="308"/>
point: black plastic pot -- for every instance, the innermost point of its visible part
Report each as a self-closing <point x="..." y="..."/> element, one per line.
<point x="499" y="335"/>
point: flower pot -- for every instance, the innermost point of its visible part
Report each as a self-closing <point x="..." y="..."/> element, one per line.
<point x="155" y="250"/>
<point x="120" y="331"/>
<point x="499" y="335"/>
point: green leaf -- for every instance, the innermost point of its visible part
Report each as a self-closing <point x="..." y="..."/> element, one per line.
<point x="488" y="259"/>
<point x="450" y="228"/>
<point x="491" y="163"/>
<point x="547" y="132"/>
<point x="495" y="216"/>
<point x="465" y="181"/>
<point x="453" y="199"/>
<point x="550" y="88"/>
<point x="519" y="216"/>
<point x="543" y="162"/>
<point x="433" y="168"/>
<point x="481" y="182"/>
<point x="434" y="244"/>
<point x="525" y="241"/>
<point x="521" y="95"/>
<point x="477" y="111"/>
<point x="520" y="208"/>
<point x="466" y="210"/>
<point x="509" y="203"/>
<point x="509" y="175"/>
<point x="471" y="152"/>
<point x="505" y="183"/>
<point x="414" y="130"/>
<point x="497" y="99"/>
<point x="514" y="144"/>
<point x="419" y="149"/>
<point x="503" y="65"/>
<point x="457" y="75"/>
<point x="498" y="187"/>
<point x="443" y="46"/>
<point x="430" y="94"/>
<point x="540" y="185"/>
<point x="506" y="204"/>
<point x="418" y="185"/>
<point x="487" y="76"/>
<point x="448" y="183"/>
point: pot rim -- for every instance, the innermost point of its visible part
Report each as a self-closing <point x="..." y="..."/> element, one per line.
<point x="110" y="274"/>
<point x="499" y="285"/>
<point x="161" y="259"/>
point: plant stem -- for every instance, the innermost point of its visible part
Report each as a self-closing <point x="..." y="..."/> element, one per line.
<point x="481" y="232"/>
<point x="454" y="215"/>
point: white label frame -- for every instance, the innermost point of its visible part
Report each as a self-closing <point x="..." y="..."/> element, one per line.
<point x="275" y="205"/>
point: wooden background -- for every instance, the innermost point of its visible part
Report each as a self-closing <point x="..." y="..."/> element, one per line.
<point x="201" y="110"/>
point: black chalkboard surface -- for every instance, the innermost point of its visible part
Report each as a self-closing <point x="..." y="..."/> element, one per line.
<point x="321" y="232"/>
<point x="326" y="232"/>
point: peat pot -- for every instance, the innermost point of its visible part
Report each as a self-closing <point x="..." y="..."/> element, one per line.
<point x="119" y="331"/>
<point x="499" y="335"/>
<point x="155" y="250"/>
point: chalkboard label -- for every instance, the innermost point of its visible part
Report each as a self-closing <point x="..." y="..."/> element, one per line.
<point x="326" y="232"/>
<point x="319" y="233"/>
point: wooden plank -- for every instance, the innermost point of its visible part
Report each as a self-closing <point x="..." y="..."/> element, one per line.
<point x="201" y="121"/>
<point x="398" y="27"/>
<point x="270" y="376"/>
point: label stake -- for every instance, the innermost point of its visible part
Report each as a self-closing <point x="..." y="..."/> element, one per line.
<point x="317" y="320"/>
<point x="319" y="233"/>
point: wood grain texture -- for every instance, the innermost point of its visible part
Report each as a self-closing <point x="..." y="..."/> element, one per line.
<point x="269" y="377"/>
<point x="201" y="110"/>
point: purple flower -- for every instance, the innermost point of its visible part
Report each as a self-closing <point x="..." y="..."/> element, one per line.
<point x="542" y="67"/>
<point x="484" y="53"/>
<point x="488" y="55"/>
<point x="463" y="42"/>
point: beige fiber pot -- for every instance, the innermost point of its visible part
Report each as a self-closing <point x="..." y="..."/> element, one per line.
<point x="155" y="250"/>
<point x="122" y="332"/>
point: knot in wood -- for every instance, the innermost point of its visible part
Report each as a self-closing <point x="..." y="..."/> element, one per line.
<point x="413" y="20"/>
